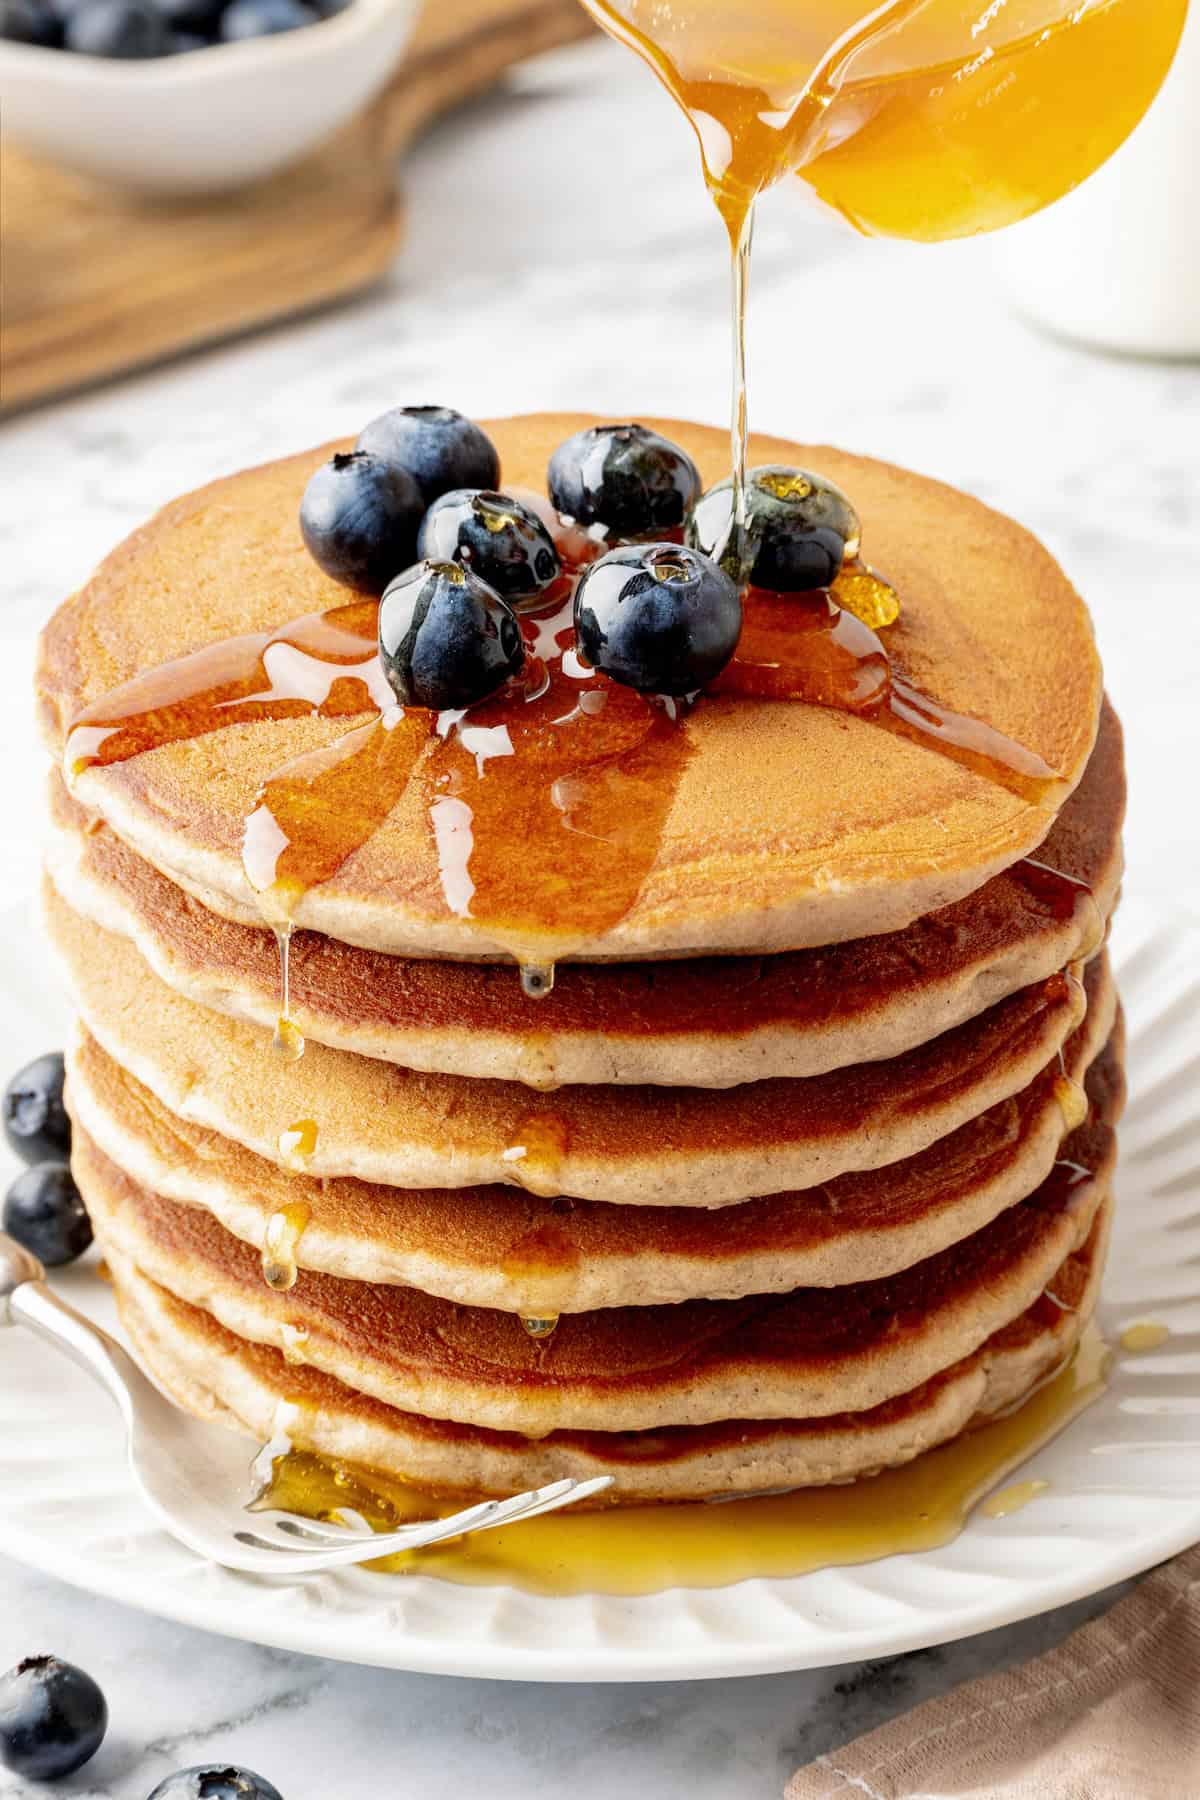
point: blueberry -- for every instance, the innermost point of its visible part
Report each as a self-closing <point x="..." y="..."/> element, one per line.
<point x="184" y="42"/>
<point x="212" y="1782"/>
<point x="502" y="541"/>
<point x="625" y="478"/>
<point x="798" y="529"/>
<point x="35" y="1120"/>
<point x="657" y="617"/>
<point x="44" y="1211"/>
<point x="121" y="28"/>
<point x="445" y="638"/>
<point x="438" y="447"/>
<point x="189" y="18"/>
<point x="264" y="18"/>
<point x="28" y="22"/>
<point x="359" y="517"/>
<point x="52" y="1718"/>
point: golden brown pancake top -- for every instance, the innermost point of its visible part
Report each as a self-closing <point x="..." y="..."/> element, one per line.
<point x="790" y="824"/>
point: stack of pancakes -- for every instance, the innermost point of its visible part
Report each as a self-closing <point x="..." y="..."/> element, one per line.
<point x="802" y="1167"/>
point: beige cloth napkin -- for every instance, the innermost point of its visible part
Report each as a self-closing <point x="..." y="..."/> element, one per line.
<point x="1111" y="1714"/>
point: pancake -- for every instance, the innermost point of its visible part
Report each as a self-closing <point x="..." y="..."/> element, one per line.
<point x="250" y="1388"/>
<point x="782" y="825"/>
<point x="710" y="1022"/>
<point x="537" y="1256"/>
<point x="810" y="1353"/>
<point x="665" y="1146"/>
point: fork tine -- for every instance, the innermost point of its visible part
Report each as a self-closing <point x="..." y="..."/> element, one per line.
<point x="487" y="1514"/>
<point x="326" y="1531"/>
<point x="494" y="1513"/>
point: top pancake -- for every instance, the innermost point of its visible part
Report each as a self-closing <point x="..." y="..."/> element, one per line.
<point x="707" y="1022"/>
<point x="790" y="825"/>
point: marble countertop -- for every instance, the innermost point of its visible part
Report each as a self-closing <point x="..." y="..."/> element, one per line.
<point x="561" y="254"/>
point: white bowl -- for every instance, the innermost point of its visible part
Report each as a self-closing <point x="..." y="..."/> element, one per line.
<point x="211" y="119"/>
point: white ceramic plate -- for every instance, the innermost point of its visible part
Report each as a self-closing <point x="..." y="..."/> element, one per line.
<point x="1125" y="1477"/>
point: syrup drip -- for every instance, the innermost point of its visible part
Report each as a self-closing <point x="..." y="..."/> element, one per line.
<point x="537" y="980"/>
<point x="284" y="1230"/>
<point x="540" y="1328"/>
<point x="297" y="1143"/>
<point x="536" y="1153"/>
<point x="643" y="1549"/>
<point x="1062" y="894"/>
<point x="286" y="1041"/>
<point x="295" y="1340"/>
<point x="1143" y="1337"/>
<point x="1071" y="1096"/>
<point x="1013" y="1499"/>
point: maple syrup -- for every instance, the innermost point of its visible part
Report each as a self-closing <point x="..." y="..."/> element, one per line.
<point x="297" y="1143"/>
<point x="1063" y="895"/>
<point x="294" y="1343"/>
<point x="284" y="1230"/>
<point x="1071" y="1096"/>
<point x="919" y="119"/>
<point x="1013" y="1499"/>
<point x="546" y="803"/>
<point x="535" y="1156"/>
<point x="923" y="119"/>
<point x="643" y="1549"/>
<point x="1143" y="1337"/>
<point x="540" y="1327"/>
<point x="287" y="1041"/>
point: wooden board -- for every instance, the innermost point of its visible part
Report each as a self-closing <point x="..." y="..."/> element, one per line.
<point x="96" y="282"/>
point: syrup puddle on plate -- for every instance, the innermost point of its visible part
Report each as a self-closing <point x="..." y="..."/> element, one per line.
<point x="643" y="1549"/>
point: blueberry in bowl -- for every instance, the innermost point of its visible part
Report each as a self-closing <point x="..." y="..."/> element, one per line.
<point x="359" y="518"/>
<point x="127" y="29"/>
<point x="799" y="530"/>
<point x="439" y="448"/>
<point x="503" y="541"/>
<point x="29" y="22"/>
<point x="447" y="640"/>
<point x="657" y="617"/>
<point x="244" y="19"/>
<point x="52" y="1718"/>
<point x="212" y="1781"/>
<point x="44" y="1212"/>
<point x="36" y="1123"/>
<point x="625" y="478"/>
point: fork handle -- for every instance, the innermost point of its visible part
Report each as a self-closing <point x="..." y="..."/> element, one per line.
<point x="25" y="1299"/>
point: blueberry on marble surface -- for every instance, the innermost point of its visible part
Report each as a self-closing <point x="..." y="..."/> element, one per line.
<point x="36" y="1123"/>
<point x="245" y="19"/>
<point x="437" y="446"/>
<point x="44" y="1211"/>
<point x="502" y="541"/>
<point x="799" y="529"/>
<point x="126" y="29"/>
<point x="625" y="478"/>
<point x="657" y="617"/>
<point x="359" y="518"/>
<point x="52" y="1718"/>
<point x="214" y="1781"/>
<point x="447" y="640"/>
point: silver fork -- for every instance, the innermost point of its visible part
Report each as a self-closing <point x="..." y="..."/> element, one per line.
<point x="199" y="1481"/>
